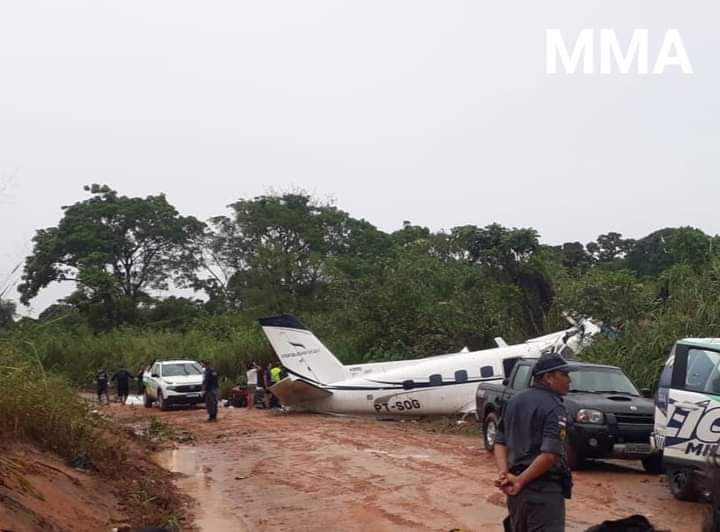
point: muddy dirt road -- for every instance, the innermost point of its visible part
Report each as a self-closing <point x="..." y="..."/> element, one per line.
<point x="257" y="470"/>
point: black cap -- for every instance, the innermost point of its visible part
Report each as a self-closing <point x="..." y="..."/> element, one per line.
<point x="550" y="362"/>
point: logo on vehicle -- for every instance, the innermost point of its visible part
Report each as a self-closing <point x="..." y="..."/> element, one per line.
<point x="633" y="408"/>
<point x="695" y="429"/>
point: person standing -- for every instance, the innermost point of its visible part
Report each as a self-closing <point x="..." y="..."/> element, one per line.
<point x="252" y="380"/>
<point x="265" y="382"/>
<point x="101" y="385"/>
<point x="140" y="381"/>
<point x="122" y="376"/>
<point x="530" y="450"/>
<point x="210" y="387"/>
<point x="275" y="373"/>
<point x="275" y="377"/>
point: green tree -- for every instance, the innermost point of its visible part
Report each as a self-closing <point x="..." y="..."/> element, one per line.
<point x="610" y="247"/>
<point x="616" y="297"/>
<point x="418" y="304"/>
<point x="662" y="249"/>
<point x="509" y="256"/>
<point x="173" y="313"/>
<point x="574" y="257"/>
<point x="115" y="249"/>
<point x="7" y="313"/>
<point x="279" y="252"/>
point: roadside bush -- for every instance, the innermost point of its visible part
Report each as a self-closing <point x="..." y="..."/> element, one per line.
<point x="46" y="411"/>
<point x="689" y="306"/>
<point x="229" y="342"/>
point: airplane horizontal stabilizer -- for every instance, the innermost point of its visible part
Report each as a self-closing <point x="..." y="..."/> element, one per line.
<point x="292" y="392"/>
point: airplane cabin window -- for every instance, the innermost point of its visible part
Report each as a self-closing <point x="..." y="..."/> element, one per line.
<point x="486" y="371"/>
<point x="436" y="379"/>
<point x="461" y="376"/>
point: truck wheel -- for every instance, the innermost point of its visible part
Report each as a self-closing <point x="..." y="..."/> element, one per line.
<point x="653" y="464"/>
<point x="490" y="428"/>
<point x="682" y="485"/>
<point x="162" y="403"/>
<point x="147" y="401"/>
<point x="574" y="459"/>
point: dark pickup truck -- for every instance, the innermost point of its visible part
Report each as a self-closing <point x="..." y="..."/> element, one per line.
<point x="608" y="416"/>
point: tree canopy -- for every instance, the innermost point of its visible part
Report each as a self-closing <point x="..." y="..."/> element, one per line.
<point x="375" y="295"/>
<point x="114" y="248"/>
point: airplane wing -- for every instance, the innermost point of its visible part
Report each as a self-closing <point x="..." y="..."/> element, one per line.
<point x="291" y="392"/>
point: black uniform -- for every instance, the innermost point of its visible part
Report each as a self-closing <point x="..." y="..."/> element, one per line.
<point x="122" y="376"/>
<point x="101" y="380"/>
<point x="140" y="381"/>
<point x="210" y="386"/>
<point x="534" y="422"/>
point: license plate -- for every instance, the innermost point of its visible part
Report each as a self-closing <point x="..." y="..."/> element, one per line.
<point x="641" y="448"/>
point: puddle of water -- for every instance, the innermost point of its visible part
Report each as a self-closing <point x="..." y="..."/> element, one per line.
<point x="211" y="513"/>
<point x="135" y="400"/>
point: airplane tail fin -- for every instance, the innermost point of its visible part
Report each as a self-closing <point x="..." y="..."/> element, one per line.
<point x="300" y="352"/>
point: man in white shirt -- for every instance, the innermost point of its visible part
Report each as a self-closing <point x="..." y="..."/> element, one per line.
<point x="252" y="380"/>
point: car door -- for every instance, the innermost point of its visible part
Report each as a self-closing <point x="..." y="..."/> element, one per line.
<point x="520" y="379"/>
<point x="692" y="405"/>
<point x="153" y="382"/>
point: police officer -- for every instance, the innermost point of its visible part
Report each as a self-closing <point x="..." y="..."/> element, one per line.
<point x="210" y="387"/>
<point x="101" y="380"/>
<point x="530" y="450"/>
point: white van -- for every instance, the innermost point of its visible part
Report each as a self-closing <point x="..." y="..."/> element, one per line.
<point x="687" y="415"/>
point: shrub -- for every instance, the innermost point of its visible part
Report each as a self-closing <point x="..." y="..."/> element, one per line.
<point x="47" y="411"/>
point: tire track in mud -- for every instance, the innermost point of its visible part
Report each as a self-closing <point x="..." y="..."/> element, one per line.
<point x="305" y="472"/>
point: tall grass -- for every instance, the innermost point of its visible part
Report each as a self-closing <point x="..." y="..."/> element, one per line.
<point x="45" y="409"/>
<point x="78" y="353"/>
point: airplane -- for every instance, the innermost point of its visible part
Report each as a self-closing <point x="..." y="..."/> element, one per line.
<point x="438" y="385"/>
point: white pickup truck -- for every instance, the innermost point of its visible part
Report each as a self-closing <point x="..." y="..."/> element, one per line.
<point x="173" y="382"/>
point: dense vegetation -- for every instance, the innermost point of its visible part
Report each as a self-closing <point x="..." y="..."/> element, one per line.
<point x="370" y="295"/>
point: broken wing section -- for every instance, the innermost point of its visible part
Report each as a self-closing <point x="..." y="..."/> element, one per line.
<point x="292" y="392"/>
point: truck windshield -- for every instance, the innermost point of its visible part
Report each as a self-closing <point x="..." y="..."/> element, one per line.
<point x="175" y="370"/>
<point x="595" y="380"/>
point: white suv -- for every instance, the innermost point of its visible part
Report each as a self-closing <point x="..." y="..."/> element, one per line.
<point x="172" y="382"/>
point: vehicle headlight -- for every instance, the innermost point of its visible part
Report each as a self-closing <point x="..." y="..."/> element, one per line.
<point x="171" y="388"/>
<point x="587" y="415"/>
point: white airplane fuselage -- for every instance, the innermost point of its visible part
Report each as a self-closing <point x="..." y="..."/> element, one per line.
<point x="438" y="385"/>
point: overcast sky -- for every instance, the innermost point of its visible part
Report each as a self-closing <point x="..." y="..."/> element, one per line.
<point x="436" y="112"/>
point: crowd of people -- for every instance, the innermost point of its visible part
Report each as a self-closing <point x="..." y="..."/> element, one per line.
<point x="257" y="378"/>
<point x="102" y="384"/>
<point x="263" y="378"/>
